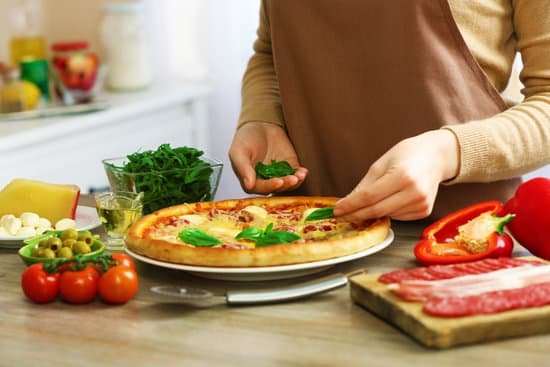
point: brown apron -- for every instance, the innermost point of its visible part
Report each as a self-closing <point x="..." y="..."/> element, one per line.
<point x="358" y="76"/>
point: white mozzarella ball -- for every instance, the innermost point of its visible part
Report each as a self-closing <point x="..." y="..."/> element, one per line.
<point x="256" y="211"/>
<point x="193" y="219"/>
<point x="5" y="219"/>
<point x="44" y="223"/>
<point x="29" y="219"/>
<point x="12" y="225"/>
<point x="64" y="224"/>
<point x="4" y="233"/>
<point x="26" y="231"/>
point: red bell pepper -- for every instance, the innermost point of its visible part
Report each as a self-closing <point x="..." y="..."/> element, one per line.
<point x="531" y="205"/>
<point x="469" y="234"/>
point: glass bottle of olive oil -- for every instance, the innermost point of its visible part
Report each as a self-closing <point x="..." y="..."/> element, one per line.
<point x="26" y="42"/>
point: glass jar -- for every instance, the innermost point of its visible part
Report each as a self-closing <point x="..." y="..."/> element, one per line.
<point x="26" y="41"/>
<point x="75" y="70"/>
<point x="123" y="37"/>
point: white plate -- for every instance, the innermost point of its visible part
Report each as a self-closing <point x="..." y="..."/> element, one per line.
<point x="267" y="272"/>
<point x="86" y="218"/>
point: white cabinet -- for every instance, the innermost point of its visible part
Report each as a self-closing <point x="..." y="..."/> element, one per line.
<point x="69" y="149"/>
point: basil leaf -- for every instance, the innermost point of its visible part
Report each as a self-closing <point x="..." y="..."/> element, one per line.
<point x="321" y="213"/>
<point x="276" y="237"/>
<point x="251" y="233"/>
<point x="274" y="169"/>
<point x="197" y="237"/>
<point x="268" y="236"/>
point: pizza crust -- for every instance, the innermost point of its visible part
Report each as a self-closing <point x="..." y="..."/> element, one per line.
<point x="139" y="241"/>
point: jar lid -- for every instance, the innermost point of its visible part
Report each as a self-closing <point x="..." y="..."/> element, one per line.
<point x="70" y="46"/>
<point x="124" y="7"/>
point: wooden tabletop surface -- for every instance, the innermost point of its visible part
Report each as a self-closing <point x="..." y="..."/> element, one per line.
<point x="324" y="330"/>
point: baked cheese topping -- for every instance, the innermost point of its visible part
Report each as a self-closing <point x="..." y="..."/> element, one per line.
<point x="226" y="224"/>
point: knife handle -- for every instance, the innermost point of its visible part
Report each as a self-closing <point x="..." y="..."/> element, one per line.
<point x="287" y="293"/>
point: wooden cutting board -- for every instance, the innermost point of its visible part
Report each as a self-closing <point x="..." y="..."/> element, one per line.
<point x="439" y="332"/>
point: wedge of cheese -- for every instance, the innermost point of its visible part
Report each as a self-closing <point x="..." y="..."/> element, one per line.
<point x="51" y="201"/>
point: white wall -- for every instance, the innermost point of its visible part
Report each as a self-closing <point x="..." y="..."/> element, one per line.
<point x="214" y="42"/>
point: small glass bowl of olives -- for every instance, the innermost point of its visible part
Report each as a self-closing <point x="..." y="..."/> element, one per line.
<point x="60" y="245"/>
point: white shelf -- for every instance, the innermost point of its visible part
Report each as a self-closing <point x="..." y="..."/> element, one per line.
<point x="69" y="149"/>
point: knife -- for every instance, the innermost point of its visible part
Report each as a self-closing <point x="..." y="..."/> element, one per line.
<point x="250" y="297"/>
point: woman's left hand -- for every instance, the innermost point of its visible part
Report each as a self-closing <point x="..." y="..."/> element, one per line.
<point x="403" y="183"/>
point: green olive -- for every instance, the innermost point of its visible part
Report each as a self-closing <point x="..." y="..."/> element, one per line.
<point x="43" y="243"/>
<point x="81" y="247"/>
<point x="69" y="243"/>
<point x="86" y="237"/>
<point x="65" y="252"/>
<point x="85" y="233"/>
<point x="37" y="252"/>
<point x="69" y="233"/>
<point x="48" y="253"/>
<point x="54" y="243"/>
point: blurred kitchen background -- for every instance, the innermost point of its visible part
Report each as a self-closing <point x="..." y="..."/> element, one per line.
<point x="149" y="72"/>
<point x="197" y="50"/>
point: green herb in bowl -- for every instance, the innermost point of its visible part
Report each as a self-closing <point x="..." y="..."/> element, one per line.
<point x="167" y="176"/>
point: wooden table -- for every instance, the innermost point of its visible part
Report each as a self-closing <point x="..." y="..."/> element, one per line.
<point x="325" y="330"/>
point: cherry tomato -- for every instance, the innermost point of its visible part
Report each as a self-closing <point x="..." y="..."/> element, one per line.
<point x="118" y="285"/>
<point x="38" y="285"/>
<point x="125" y="260"/>
<point x="79" y="286"/>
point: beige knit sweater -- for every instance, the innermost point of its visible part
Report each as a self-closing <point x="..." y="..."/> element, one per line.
<point x="506" y="145"/>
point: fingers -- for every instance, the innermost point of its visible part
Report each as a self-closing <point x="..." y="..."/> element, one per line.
<point x="369" y="191"/>
<point x="278" y="184"/>
<point x="395" y="194"/>
<point x="242" y="165"/>
<point x="384" y="207"/>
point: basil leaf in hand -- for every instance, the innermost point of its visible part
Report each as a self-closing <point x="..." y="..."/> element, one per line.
<point x="274" y="169"/>
<point x="197" y="237"/>
<point x="268" y="236"/>
<point x="321" y="213"/>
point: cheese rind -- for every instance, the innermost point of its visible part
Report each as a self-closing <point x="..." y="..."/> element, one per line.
<point x="51" y="201"/>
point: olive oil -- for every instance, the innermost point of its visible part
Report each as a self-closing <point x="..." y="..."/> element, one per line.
<point x="117" y="221"/>
<point x="117" y="212"/>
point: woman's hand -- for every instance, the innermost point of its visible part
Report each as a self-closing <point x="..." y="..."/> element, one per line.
<point x="403" y="183"/>
<point x="262" y="142"/>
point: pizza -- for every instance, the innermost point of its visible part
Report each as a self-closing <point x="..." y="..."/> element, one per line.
<point x="252" y="232"/>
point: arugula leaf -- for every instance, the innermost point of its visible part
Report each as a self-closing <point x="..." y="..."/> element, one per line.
<point x="321" y="213"/>
<point x="197" y="237"/>
<point x="268" y="236"/>
<point x="169" y="176"/>
<point x="274" y="169"/>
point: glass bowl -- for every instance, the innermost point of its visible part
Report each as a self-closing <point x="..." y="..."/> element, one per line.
<point x="162" y="189"/>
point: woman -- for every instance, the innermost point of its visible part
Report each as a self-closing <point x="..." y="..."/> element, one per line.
<point x="395" y="104"/>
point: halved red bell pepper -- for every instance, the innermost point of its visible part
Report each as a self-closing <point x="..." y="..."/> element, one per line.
<point x="443" y="241"/>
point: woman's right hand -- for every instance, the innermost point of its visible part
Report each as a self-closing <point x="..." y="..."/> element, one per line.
<point x="263" y="142"/>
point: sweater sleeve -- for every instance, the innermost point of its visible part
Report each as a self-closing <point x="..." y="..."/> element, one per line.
<point x="260" y="88"/>
<point x="517" y="140"/>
